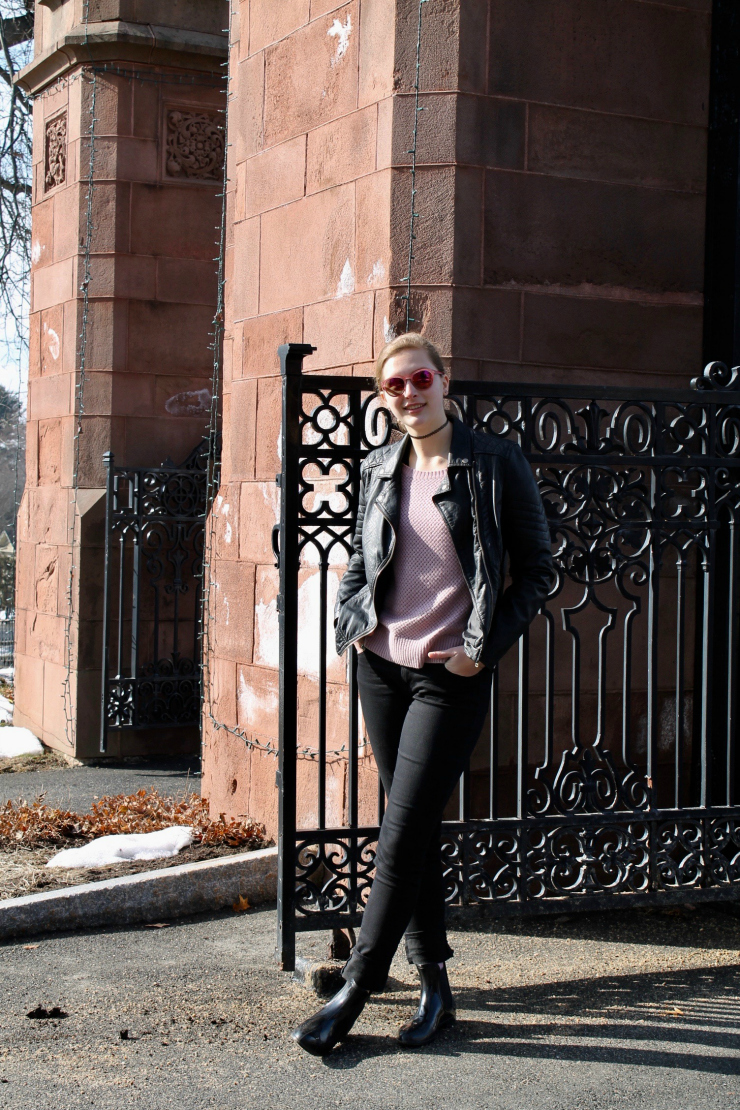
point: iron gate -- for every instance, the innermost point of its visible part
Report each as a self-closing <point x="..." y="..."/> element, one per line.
<point x="154" y="531"/>
<point x="607" y="767"/>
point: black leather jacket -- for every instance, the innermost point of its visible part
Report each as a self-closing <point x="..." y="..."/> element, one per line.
<point x="491" y="504"/>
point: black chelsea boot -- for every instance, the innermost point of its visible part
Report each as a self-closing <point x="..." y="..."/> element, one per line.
<point x="436" y="1008"/>
<point x="319" y="1033"/>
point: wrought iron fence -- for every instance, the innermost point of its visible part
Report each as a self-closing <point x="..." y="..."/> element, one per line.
<point x="7" y="640"/>
<point x="155" y="519"/>
<point x="608" y="765"/>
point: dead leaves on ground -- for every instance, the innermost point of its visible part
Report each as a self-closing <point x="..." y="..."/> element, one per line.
<point x="33" y="825"/>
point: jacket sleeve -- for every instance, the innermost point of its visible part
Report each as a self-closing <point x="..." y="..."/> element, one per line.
<point x="526" y="539"/>
<point x="354" y="577"/>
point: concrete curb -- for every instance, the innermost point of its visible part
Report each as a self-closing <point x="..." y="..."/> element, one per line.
<point x="204" y="887"/>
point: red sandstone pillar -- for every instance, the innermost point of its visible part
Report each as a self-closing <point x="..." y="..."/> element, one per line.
<point x="156" y="70"/>
<point x="559" y="161"/>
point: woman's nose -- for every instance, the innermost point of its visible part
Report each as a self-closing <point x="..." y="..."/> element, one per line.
<point x="409" y="389"/>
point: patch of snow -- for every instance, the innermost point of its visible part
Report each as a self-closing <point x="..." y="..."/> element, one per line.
<point x="6" y="710"/>
<point x="341" y="33"/>
<point x="107" y="850"/>
<point x="346" y="283"/>
<point x="18" y="741"/>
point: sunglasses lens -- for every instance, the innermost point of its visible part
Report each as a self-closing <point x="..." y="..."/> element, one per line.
<point x="394" y="387"/>
<point x="422" y="379"/>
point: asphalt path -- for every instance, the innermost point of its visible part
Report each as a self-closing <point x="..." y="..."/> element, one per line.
<point x="76" y="788"/>
<point x="594" y="1012"/>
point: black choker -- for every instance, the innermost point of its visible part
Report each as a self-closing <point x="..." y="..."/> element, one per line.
<point x="428" y="434"/>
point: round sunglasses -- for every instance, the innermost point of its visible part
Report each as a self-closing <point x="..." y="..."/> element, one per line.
<point x="420" y="379"/>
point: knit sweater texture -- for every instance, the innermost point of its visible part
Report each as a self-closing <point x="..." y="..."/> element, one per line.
<point x="427" y="604"/>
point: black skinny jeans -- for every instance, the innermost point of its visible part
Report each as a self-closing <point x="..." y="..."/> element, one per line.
<point x="423" y="725"/>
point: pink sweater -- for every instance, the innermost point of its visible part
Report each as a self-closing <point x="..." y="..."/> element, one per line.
<point x="427" y="604"/>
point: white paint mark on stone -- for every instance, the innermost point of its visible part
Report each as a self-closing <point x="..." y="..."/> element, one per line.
<point x="35" y="251"/>
<point x="255" y="704"/>
<point x="346" y="284"/>
<point x="377" y="274"/>
<point x="190" y="403"/>
<point x="54" y="346"/>
<point x="389" y="332"/>
<point x="341" y="33"/>
<point x="227" y="532"/>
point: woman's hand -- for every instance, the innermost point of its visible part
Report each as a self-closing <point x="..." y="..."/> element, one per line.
<point x="455" y="660"/>
<point x="359" y="645"/>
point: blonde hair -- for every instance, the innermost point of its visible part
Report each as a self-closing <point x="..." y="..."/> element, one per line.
<point x="411" y="341"/>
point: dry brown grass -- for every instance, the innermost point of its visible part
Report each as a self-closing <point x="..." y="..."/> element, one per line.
<point x="36" y="825"/>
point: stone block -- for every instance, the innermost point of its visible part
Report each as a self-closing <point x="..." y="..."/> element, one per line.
<point x="614" y="148"/>
<point x="266" y="630"/>
<point x="223" y="690"/>
<point x="385" y="135"/>
<point x="342" y="331"/>
<point x="244" y="293"/>
<point x="111" y="209"/>
<point x="269" y="22"/>
<point x="107" y="346"/>
<point x="434" y="248"/>
<point x="262" y="336"/>
<point x="32" y="452"/>
<point x="149" y="441"/>
<point x="29" y="691"/>
<point x="42" y="234"/>
<point x="233" y="629"/>
<point x="341" y="151"/>
<point x="269" y="421"/>
<point x="34" y="344"/>
<point x="52" y="284"/>
<point x="145" y="97"/>
<point x="439" y="53"/>
<point x="490" y="132"/>
<point x="72" y="330"/>
<point x="377" y="34"/>
<point x="46" y="638"/>
<point x="100" y="434"/>
<point x="547" y="229"/>
<point x="429" y="311"/>
<point x="276" y="176"/>
<point x="46" y="578"/>
<point x="486" y="324"/>
<point x="51" y="337"/>
<point x="258" y="699"/>
<point x="50" y="447"/>
<point x="69" y="213"/>
<point x="242" y="431"/>
<point x="187" y="280"/>
<point x="246" y="110"/>
<point x="170" y="337"/>
<point x="263" y="793"/>
<point x="613" y="334"/>
<point x="50" y="397"/>
<point x="225" y="523"/>
<point x="55" y="720"/>
<point x="125" y="276"/>
<point x="160" y="212"/>
<point x="307" y="250"/>
<point x="648" y="60"/>
<point x="25" y="576"/>
<point x="259" y="508"/>
<point x="436" y="128"/>
<point x="311" y="76"/>
<point x="178" y="397"/>
<point x="473" y="48"/>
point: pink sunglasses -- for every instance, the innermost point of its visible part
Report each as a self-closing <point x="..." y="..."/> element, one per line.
<point x="420" y="379"/>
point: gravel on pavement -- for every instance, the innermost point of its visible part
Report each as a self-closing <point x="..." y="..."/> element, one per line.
<point x="583" y="1012"/>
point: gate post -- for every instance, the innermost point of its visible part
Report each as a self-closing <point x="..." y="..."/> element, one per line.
<point x="291" y="368"/>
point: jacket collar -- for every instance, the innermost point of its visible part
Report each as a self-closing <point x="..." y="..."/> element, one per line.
<point x="461" y="451"/>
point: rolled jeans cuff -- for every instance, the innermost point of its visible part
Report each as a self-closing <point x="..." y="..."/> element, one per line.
<point x="422" y="949"/>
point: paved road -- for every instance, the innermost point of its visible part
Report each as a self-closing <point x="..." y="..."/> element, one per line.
<point x="602" y="1012"/>
<point x="76" y="788"/>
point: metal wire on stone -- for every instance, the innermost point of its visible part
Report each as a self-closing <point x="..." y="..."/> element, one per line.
<point x="79" y="413"/>
<point x="414" y="214"/>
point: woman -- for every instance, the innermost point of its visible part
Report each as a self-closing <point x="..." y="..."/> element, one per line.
<point x="421" y="603"/>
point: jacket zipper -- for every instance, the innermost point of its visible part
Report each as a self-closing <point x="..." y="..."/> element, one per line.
<point x="484" y="557"/>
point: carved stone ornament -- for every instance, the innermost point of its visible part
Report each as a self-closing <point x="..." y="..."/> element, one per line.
<point x="55" y="152"/>
<point x="195" y="145"/>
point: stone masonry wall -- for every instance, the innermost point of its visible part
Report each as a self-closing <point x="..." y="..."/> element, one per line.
<point x="561" y="168"/>
<point x="147" y="358"/>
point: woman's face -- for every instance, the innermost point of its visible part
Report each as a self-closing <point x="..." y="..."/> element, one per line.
<point x="419" y="410"/>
